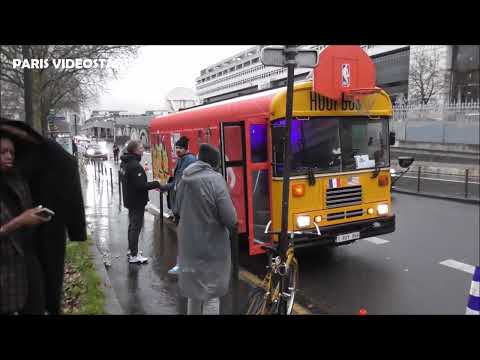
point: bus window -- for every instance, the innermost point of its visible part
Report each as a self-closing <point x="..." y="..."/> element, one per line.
<point x="261" y="205"/>
<point x="258" y="142"/>
<point x="332" y="144"/>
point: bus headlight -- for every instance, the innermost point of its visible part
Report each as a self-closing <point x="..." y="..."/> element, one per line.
<point x="303" y="221"/>
<point x="318" y="219"/>
<point x="382" y="209"/>
<point x="90" y="152"/>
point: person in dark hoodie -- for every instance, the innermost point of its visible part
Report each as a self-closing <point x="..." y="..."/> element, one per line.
<point x="207" y="216"/>
<point x="184" y="159"/>
<point x="135" y="196"/>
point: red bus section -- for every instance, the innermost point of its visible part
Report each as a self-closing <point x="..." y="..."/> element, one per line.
<point x="238" y="128"/>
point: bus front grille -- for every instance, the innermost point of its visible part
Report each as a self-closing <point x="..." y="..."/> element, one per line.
<point x="344" y="214"/>
<point x="346" y="196"/>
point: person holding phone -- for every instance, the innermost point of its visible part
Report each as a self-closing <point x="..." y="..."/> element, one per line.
<point x="21" y="275"/>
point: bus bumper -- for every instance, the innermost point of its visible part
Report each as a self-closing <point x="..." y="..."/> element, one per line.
<point x="367" y="228"/>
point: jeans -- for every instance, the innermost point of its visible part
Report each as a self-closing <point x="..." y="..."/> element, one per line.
<point x="135" y="223"/>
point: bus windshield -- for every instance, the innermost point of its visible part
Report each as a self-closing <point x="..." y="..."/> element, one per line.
<point x="332" y="144"/>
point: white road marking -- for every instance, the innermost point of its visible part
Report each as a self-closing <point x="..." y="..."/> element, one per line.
<point x="376" y="240"/>
<point x="458" y="265"/>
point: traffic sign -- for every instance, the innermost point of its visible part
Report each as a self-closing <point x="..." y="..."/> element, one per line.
<point x="276" y="56"/>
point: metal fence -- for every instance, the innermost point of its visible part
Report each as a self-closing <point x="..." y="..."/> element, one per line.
<point x="422" y="181"/>
<point x="439" y="123"/>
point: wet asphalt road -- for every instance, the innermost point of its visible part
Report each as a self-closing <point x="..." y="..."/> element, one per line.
<point x="400" y="275"/>
<point x="403" y="275"/>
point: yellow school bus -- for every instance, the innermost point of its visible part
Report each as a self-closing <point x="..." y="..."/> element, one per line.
<point x="340" y="153"/>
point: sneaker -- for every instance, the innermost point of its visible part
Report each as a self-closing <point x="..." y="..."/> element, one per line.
<point x="129" y="253"/>
<point x="139" y="259"/>
<point x="175" y="270"/>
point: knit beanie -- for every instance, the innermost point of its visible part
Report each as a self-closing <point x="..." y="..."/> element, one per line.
<point x="209" y="154"/>
<point x="182" y="142"/>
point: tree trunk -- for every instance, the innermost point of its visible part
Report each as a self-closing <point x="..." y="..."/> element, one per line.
<point x="37" y="115"/>
<point x="27" y="87"/>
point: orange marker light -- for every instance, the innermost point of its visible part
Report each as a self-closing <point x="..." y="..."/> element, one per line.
<point x="298" y="190"/>
<point x="383" y="180"/>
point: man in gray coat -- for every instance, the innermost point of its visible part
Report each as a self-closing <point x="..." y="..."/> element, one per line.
<point x="206" y="216"/>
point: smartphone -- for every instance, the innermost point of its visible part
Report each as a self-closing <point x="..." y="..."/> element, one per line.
<point x="45" y="213"/>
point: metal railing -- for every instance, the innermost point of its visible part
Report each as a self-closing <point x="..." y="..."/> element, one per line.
<point x="422" y="181"/>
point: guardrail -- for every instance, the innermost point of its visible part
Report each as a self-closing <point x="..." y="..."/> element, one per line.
<point x="422" y="181"/>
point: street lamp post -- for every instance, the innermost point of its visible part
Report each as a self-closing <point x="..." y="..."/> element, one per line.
<point x="291" y="57"/>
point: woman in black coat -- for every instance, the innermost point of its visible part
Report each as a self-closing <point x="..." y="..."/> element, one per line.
<point x="53" y="177"/>
<point x="21" y="276"/>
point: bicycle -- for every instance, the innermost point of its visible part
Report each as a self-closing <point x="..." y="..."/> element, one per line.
<point x="276" y="295"/>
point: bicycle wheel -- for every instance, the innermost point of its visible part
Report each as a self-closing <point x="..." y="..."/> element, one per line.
<point x="291" y="286"/>
<point x="255" y="303"/>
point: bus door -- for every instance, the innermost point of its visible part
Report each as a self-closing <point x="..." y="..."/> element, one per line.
<point x="233" y="157"/>
<point x="247" y="172"/>
<point x="258" y="183"/>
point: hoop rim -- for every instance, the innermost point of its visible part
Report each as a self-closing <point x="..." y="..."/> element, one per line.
<point x="361" y="91"/>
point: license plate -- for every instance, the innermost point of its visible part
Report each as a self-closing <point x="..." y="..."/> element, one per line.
<point x="347" y="237"/>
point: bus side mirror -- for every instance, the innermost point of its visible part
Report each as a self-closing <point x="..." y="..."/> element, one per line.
<point x="405" y="161"/>
<point x="392" y="138"/>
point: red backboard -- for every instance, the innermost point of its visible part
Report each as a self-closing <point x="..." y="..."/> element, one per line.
<point x="342" y="68"/>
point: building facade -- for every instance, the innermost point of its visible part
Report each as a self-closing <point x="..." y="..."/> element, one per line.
<point x="244" y="73"/>
<point x="120" y="126"/>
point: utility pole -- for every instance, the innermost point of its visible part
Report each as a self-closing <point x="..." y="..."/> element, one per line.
<point x="291" y="57"/>
<point x="290" y="53"/>
<point x="27" y="88"/>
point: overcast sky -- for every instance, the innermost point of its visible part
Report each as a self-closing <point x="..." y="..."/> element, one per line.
<point x="157" y="70"/>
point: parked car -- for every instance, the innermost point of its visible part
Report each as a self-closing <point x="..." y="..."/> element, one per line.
<point x="96" y="151"/>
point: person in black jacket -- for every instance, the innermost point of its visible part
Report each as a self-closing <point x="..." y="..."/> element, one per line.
<point x="135" y="196"/>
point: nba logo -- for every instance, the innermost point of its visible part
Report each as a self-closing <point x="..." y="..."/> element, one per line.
<point x="346" y="75"/>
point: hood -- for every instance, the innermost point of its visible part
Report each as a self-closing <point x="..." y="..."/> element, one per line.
<point x="127" y="157"/>
<point x="195" y="168"/>
<point x="29" y="145"/>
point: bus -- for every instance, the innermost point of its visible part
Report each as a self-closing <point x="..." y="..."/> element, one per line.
<point x="340" y="161"/>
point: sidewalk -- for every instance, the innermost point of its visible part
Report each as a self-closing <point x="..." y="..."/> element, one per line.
<point x="130" y="288"/>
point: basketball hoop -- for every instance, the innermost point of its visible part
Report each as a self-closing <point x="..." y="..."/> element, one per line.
<point x="364" y="96"/>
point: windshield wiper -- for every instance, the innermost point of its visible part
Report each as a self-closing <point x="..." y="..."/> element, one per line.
<point x="376" y="171"/>
<point x="311" y="176"/>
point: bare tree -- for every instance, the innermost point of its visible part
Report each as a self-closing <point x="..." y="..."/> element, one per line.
<point x="11" y="101"/>
<point x="426" y="78"/>
<point x="63" y="88"/>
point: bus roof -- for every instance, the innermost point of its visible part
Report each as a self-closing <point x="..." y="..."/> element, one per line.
<point x="269" y="104"/>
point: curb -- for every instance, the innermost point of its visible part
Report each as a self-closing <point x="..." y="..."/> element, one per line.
<point x="112" y="305"/>
<point x="255" y="281"/>
<point x="437" y="196"/>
